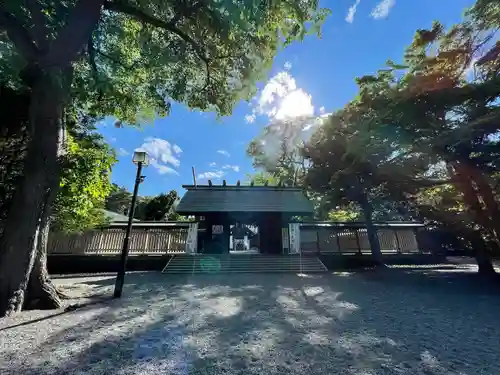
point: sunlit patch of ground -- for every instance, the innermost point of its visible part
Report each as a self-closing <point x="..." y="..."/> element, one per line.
<point x="403" y="322"/>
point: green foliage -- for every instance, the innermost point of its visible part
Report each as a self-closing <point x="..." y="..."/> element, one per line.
<point x="420" y="140"/>
<point x="161" y="207"/>
<point x="85" y="166"/>
<point x="278" y="149"/>
<point x="118" y="200"/>
<point x="157" y="208"/>
<point x="142" y="55"/>
<point x="486" y="13"/>
<point x="343" y="214"/>
<point x="85" y="183"/>
<point x="262" y="178"/>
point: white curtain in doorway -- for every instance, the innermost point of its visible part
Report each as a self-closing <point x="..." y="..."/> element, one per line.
<point x="192" y="239"/>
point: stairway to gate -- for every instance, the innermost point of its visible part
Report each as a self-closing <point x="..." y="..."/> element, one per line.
<point x="243" y="263"/>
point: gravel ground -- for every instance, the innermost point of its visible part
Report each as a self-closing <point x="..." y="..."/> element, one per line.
<point x="434" y="320"/>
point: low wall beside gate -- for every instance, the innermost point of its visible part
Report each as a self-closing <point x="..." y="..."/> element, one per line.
<point x="145" y="239"/>
<point x="339" y="245"/>
<point x="156" y="238"/>
<point x="352" y="238"/>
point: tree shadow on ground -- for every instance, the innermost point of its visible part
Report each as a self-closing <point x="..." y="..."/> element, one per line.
<point x="357" y="323"/>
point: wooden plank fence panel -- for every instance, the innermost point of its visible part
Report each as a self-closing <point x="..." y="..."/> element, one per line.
<point x="387" y="240"/>
<point x="347" y="241"/>
<point x="331" y="240"/>
<point x="408" y="241"/>
<point x="309" y="241"/>
<point x="364" y="243"/>
<point x="328" y="241"/>
<point x="162" y="240"/>
<point x="110" y="241"/>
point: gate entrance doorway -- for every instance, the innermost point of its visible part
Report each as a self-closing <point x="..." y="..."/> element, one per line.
<point x="239" y="219"/>
<point x="244" y="239"/>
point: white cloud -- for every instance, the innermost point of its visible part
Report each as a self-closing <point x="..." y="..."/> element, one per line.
<point x="162" y="168"/>
<point x="297" y="103"/>
<point x="292" y="117"/>
<point x="352" y="11"/>
<point x="213" y="174"/>
<point x="122" y="152"/>
<point x="112" y="139"/>
<point x="162" y="154"/>
<point x="235" y="168"/>
<point x="213" y="164"/>
<point x="288" y="65"/>
<point x="382" y="9"/>
<point x="176" y="149"/>
<point x="223" y="152"/>
<point x="281" y="99"/>
<point x="250" y="119"/>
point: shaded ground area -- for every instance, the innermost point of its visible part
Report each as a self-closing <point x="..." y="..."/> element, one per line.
<point x="411" y="320"/>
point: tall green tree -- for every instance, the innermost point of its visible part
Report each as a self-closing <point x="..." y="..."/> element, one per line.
<point x="160" y="208"/>
<point x="442" y="104"/>
<point x="262" y="178"/>
<point x="437" y="109"/>
<point x="86" y="166"/>
<point x="129" y="59"/>
<point x="118" y="200"/>
<point x="85" y="183"/>
<point x="277" y="149"/>
<point x="349" y="162"/>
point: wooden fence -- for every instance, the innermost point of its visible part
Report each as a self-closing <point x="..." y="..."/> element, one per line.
<point x="351" y="238"/>
<point x="170" y="238"/>
<point x="152" y="239"/>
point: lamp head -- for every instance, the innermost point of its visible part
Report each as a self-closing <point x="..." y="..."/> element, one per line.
<point x="141" y="157"/>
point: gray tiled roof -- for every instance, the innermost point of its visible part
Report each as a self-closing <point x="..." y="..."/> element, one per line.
<point x="115" y="217"/>
<point x="202" y="199"/>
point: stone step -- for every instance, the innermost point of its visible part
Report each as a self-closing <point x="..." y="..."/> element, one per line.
<point x="242" y="263"/>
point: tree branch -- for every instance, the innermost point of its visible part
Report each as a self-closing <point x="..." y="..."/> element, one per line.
<point x="93" y="65"/>
<point x="139" y="15"/>
<point x="74" y="36"/>
<point x="39" y="33"/>
<point x="19" y="36"/>
<point x="91" y="51"/>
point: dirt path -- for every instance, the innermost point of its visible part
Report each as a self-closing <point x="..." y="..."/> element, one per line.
<point x="264" y="324"/>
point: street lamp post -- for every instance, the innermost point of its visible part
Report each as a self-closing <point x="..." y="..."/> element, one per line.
<point x="140" y="159"/>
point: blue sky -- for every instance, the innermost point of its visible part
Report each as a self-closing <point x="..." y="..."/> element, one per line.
<point x="312" y="77"/>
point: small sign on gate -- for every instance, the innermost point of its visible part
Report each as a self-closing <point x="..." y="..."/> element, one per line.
<point x="217" y="229"/>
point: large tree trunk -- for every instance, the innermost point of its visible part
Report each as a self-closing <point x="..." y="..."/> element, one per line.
<point x="486" y="192"/>
<point x="371" y="231"/>
<point x="463" y="179"/>
<point x="483" y="260"/>
<point x="18" y="244"/>
<point x="41" y="293"/>
<point x="482" y="255"/>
